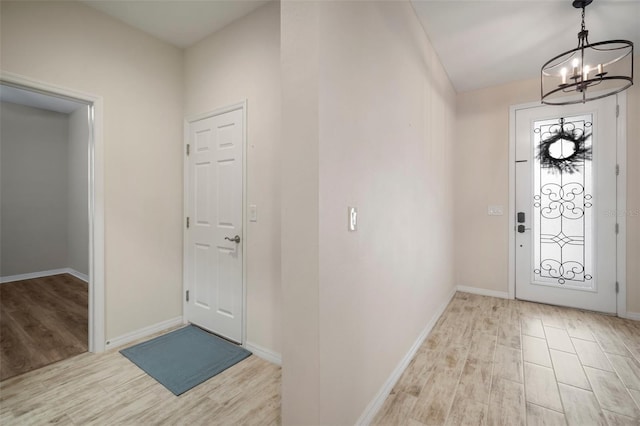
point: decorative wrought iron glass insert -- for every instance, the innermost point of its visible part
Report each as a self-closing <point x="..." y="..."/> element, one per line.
<point x="563" y="202"/>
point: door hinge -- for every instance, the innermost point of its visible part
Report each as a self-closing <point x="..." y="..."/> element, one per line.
<point x="617" y="169"/>
<point x="188" y="149"/>
<point x="617" y="228"/>
<point x="188" y="222"/>
<point x="617" y="110"/>
<point x="187" y="295"/>
<point x="617" y="287"/>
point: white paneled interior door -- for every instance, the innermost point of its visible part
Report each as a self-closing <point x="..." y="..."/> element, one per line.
<point x="565" y="205"/>
<point x="214" y="235"/>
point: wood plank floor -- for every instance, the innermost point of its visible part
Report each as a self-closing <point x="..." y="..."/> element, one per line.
<point x="492" y="361"/>
<point x="42" y="321"/>
<point x="108" y="389"/>
<point x="487" y="362"/>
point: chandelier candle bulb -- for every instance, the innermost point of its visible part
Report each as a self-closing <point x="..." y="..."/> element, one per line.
<point x="586" y="72"/>
<point x="575" y="64"/>
<point x="563" y="73"/>
<point x="599" y="69"/>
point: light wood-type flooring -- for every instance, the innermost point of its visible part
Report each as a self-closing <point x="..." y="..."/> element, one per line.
<point x="487" y="362"/>
<point x="108" y="389"/>
<point x="492" y="361"/>
<point x="42" y="321"/>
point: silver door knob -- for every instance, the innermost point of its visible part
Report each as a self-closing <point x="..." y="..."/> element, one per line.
<point x="235" y="239"/>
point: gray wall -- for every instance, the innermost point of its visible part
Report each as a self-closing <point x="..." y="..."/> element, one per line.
<point x="43" y="188"/>
<point x="77" y="216"/>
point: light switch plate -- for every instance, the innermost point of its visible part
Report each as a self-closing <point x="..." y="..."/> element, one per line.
<point x="352" y="219"/>
<point x="253" y="213"/>
<point x="495" y="210"/>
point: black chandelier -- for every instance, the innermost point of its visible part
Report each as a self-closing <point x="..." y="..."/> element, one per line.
<point x="590" y="71"/>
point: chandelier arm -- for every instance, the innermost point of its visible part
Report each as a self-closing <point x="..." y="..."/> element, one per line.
<point x="621" y="89"/>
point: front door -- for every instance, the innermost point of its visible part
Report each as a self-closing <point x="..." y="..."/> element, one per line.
<point x="214" y="235"/>
<point x="565" y="203"/>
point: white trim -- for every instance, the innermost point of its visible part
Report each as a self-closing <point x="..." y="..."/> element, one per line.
<point x="264" y="353"/>
<point x="245" y="221"/>
<point x="31" y="275"/>
<point x="218" y="111"/>
<point x="96" y="197"/>
<point x="631" y="315"/>
<point x="78" y="275"/>
<point x="97" y="301"/>
<point x="185" y="212"/>
<point x="242" y="105"/>
<point x="621" y="148"/>
<point x="484" y="292"/>
<point x="376" y="403"/>
<point x="621" y="207"/>
<point x="143" y="332"/>
<point x="41" y="274"/>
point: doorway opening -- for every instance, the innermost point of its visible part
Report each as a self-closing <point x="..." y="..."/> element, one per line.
<point x="52" y="278"/>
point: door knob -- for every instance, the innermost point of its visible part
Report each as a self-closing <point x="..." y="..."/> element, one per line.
<point x="235" y="239"/>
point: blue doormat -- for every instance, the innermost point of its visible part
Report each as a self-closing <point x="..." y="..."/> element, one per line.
<point x="184" y="358"/>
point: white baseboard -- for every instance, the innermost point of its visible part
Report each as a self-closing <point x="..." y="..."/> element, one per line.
<point x="631" y="315"/>
<point x="374" y="406"/>
<point x="143" y="332"/>
<point x="78" y="275"/>
<point x="264" y="353"/>
<point x="483" y="292"/>
<point x="40" y="274"/>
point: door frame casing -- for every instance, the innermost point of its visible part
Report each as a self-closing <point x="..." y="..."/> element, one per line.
<point x="621" y="199"/>
<point x="188" y="120"/>
<point x="96" y="284"/>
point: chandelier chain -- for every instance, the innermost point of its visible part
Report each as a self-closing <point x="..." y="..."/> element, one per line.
<point x="583" y="11"/>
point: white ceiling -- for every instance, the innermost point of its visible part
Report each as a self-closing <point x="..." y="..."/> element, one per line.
<point x="484" y="43"/>
<point x="178" y="22"/>
<point x="481" y="43"/>
<point x="28" y="98"/>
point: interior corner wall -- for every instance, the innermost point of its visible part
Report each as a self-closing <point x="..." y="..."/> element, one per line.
<point x="242" y="62"/>
<point x="385" y="127"/>
<point x="482" y="179"/>
<point x="78" y="191"/>
<point x="139" y="78"/>
<point x="34" y="145"/>
<point x="300" y="214"/>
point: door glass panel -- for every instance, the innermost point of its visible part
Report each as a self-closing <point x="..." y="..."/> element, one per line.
<point x="563" y="203"/>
